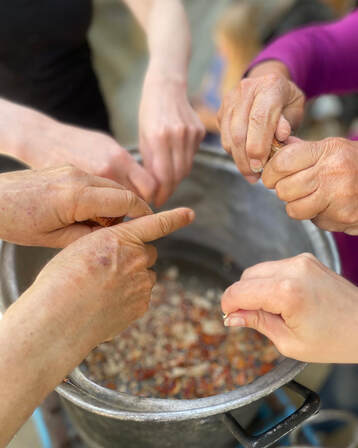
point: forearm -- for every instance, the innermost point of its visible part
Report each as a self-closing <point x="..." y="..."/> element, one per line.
<point x="319" y="59"/>
<point x="30" y="136"/>
<point x="35" y="356"/>
<point x="168" y="36"/>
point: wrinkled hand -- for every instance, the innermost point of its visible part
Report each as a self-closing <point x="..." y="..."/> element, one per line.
<point x="259" y="109"/>
<point x="170" y="133"/>
<point x="309" y="312"/>
<point x="42" y="142"/>
<point x="318" y="180"/>
<point x="46" y="207"/>
<point x="100" y="284"/>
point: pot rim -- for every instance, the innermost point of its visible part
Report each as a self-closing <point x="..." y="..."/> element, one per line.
<point x="86" y="394"/>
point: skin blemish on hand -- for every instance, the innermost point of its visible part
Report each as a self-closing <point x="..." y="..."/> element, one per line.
<point x="30" y="210"/>
<point x="104" y="261"/>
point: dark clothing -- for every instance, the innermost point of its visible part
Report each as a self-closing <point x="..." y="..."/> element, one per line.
<point x="301" y="13"/>
<point x="45" y="60"/>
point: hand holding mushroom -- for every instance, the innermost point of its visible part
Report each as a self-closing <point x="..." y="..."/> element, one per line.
<point x="49" y="207"/>
<point x="318" y="181"/>
<point x="309" y="312"/>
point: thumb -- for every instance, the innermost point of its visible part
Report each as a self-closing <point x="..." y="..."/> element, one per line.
<point x="270" y="325"/>
<point x="158" y="225"/>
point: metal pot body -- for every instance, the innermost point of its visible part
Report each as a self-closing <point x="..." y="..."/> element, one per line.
<point x="100" y="431"/>
<point x="244" y="223"/>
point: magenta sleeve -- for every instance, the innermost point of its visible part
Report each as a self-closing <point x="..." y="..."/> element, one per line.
<point x="322" y="58"/>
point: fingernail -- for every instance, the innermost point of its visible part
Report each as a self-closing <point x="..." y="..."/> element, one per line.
<point x="234" y="321"/>
<point x="191" y="215"/>
<point x="256" y="165"/>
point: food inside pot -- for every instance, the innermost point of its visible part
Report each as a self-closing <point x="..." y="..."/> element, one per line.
<point x="180" y="348"/>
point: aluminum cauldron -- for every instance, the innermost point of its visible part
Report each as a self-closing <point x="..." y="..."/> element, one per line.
<point x="246" y="223"/>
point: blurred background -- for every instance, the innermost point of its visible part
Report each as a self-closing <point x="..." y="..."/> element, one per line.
<point x="226" y="36"/>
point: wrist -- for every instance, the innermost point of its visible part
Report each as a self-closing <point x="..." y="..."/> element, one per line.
<point x="58" y="347"/>
<point x="269" y="67"/>
<point x="160" y="74"/>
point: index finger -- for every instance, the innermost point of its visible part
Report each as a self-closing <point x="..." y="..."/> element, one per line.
<point x="150" y="228"/>
<point x="252" y="294"/>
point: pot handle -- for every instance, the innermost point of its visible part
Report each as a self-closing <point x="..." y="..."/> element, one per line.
<point x="310" y="407"/>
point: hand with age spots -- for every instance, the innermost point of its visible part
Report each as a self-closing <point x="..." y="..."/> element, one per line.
<point x="265" y="104"/>
<point x="309" y="312"/>
<point x="318" y="181"/>
<point x="87" y="294"/>
<point x="50" y="207"/>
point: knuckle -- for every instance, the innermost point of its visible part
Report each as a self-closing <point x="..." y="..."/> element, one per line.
<point x="238" y="139"/>
<point x="345" y="216"/>
<point x="304" y="261"/>
<point x="130" y="198"/>
<point x="105" y="169"/>
<point x="179" y="130"/>
<point x="293" y="211"/>
<point x="162" y="133"/>
<point x="226" y="145"/>
<point x="246" y="85"/>
<point x="281" y="191"/>
<point x="289" y="287"/>
<point x="113" y="159"/>
<point x="272" y="79"/>
<point x="164" y="224"/>
<point x="193" y="130"/>
<point x="277" y="163"/>
<point x="332" y="143"/>
<point x="201" y="129"/>
<point x="247" y="272"/>
<point x="258" y="117"/>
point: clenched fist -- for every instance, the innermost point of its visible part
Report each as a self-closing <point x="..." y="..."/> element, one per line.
<point x="264" y="105"/>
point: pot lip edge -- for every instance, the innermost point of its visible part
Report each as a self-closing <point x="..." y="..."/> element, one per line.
<point x="243" y="396"/>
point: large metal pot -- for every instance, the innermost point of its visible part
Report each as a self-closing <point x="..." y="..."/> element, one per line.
<point x="248" y="224"/>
